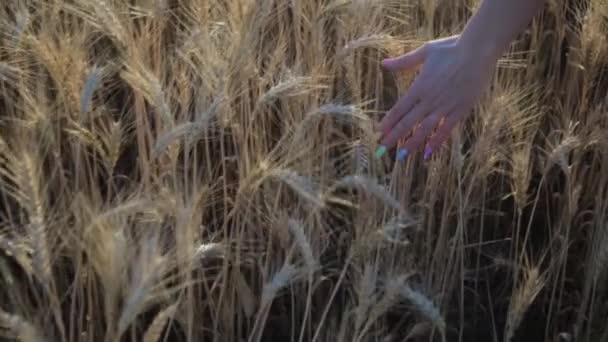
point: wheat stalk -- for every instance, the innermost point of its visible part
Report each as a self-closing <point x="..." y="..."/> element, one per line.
<point x="366" y="292"/>
<point x="296" y="228"/>
<point x="157" y="326"/>
<point x="521" y="300"/>
<point x="390" y="297"/>
<point x="20" y="251"/>
<point x="146" y="273"/>
<point x="245" y="294"/>
<point x="425" y="306"/>
<point x="301" y="185"/>
<point x="370" y="186"/>
<point x="290" y="86"/>
<point x="29" y="182"/>
<point x="378" y="41"/>
<point x="24" y="330"/>
<point x="284" y="277"/>
<point x="91" y="84"/>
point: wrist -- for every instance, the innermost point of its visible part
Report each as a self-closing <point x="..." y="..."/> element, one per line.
<point x="486" y="49"/>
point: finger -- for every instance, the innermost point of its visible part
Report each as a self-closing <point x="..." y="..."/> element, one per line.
<point x="407" y="61"/>
<point x="403" y="105"/>
<point x="406" y="124"/>
<point x="421" y="134"/>
<point x="445" y="130"/>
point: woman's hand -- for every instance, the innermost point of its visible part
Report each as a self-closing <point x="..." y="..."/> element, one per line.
<point x="452" y="79"/>
<point x="455" y="73"/>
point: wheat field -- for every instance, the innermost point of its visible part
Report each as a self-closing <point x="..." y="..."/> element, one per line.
<point x="202" y="170"/>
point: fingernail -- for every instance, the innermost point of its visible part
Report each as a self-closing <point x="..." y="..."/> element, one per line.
<point x="402" y="155"/>
<point x="427" y="153"/>
<point x="380" y="151"/>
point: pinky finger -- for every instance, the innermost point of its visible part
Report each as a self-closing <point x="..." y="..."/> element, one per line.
<point x="444" y="131"/>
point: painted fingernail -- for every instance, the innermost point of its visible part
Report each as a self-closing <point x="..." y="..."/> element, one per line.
<point x="402" y="155"/>
<point x="380" y="151"/>
<point x="427" y="153"/>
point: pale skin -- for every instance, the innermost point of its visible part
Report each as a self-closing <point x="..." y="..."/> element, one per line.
<point x="454" y="74"/>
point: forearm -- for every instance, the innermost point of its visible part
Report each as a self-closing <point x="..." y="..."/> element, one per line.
<point x="496" y="23"/>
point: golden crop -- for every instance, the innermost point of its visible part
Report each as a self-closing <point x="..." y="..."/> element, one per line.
<point x="202" y="170"/>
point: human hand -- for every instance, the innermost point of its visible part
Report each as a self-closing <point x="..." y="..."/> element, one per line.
<point x="452" y="79"/>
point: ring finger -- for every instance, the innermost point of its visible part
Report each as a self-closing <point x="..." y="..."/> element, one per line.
<point x="420" y="135"/>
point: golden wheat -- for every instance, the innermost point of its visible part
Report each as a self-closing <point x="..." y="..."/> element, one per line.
<point x="202" y="170"/>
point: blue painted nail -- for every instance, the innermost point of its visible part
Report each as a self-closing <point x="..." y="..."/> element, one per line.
<point x="380" y="151"/>
<point x="402" y="155"/>
<point x="427" y="153"/>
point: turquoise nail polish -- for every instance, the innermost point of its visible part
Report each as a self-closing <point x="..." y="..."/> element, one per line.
<point x="380" y="151"/>
<point x="402" y="155"/>
<point x="427" y="153"/>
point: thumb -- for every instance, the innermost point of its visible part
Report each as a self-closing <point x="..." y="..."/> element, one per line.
<point x="407" y="61"/>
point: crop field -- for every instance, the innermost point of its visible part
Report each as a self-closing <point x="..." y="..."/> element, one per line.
<point x="204" y="170"/>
